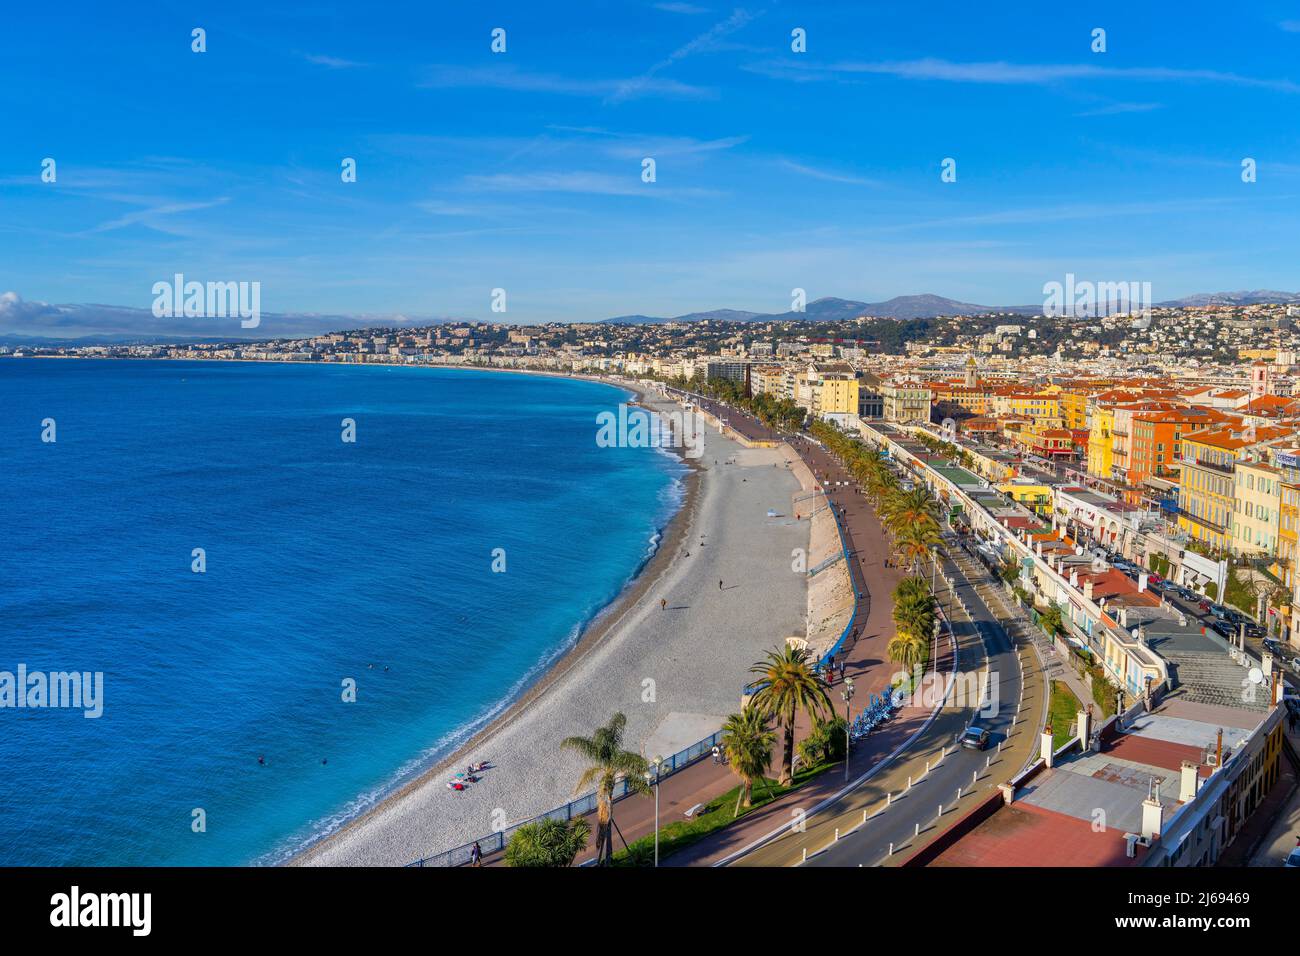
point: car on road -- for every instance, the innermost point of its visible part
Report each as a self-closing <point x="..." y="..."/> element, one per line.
<point x="1223" y="628"/>
<point x="1293" y="859"/>
<point x="975" y="738"/>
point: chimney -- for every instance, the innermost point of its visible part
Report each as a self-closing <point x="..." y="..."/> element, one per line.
<point x="1130" y="845"/>
<point x="1153" y="817"/>
<point x="1187" y="783"/>
<point x="1074" y="579"/>
<point x="1087" y="590"/>
<point x="1045" y="746"/>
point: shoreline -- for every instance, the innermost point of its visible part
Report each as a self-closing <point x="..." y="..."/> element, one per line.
<point x="593" y="631"/>
<point x="407" y="822"/>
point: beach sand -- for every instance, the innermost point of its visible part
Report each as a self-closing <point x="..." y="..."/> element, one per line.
<point x="676" y="672"/>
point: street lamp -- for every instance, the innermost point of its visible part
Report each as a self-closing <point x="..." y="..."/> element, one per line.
<point x="847" y="695"/>
<point x="652" y="779"/>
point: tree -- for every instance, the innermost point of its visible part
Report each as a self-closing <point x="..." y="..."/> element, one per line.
<point x="747" y="741"/>
<point x="915" y="542"/>
<point x="825" y="742"/>
<point x="908" y="649"/>
<point x="1051" y="621"/>
<point x="908" y="508"/>
<point x="914" y="613"/>
<point x="607" y="762"/>
<point x="548" y="842"/>
<point x="790" y="686"/>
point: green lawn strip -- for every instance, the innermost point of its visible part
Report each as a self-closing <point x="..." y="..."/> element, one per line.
<point x="1239" y="594"/>
<point x="715" y="815"/>
<point x="1063" y="714"/>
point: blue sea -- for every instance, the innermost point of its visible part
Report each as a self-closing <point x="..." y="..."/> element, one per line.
<point x="325" y="561"/>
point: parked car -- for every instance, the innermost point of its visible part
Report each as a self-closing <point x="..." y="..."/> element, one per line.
<point x="1293" y="859"/>
<point x="975" y="738"/>
<point x="1223" y="628"/>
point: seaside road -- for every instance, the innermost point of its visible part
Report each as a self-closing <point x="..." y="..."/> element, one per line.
<point x="891" y="809"/>
<point x="914" y="819"/>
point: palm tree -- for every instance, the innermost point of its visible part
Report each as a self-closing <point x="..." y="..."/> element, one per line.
<point x="548" y="842"/>
<point x="915" y="542"/>
<point x="908" y="650"/>
<point x="791" y="685"/>
<point x="607" y="762"/>
<point x="912" y="586"/>
<point x="747" y="741"/>
<point x="914" y="613"/>
<point x="908" y="508"/>
<point x="882" y="485"/>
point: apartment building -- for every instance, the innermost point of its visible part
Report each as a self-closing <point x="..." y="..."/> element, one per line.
<point x="905" y="400"/>
<point x="1257" y="502"/>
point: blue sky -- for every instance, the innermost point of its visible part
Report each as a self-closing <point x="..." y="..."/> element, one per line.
<point x="522" y="170"/>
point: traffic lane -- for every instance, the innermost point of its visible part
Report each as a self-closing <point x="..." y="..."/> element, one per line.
<point x="962" y="767"/>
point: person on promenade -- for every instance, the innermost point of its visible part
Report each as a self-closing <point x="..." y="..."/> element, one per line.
<point x="476" y="855"/>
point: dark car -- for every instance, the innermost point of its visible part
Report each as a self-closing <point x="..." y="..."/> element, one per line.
<point x="975" y="738"/>
<point x="1223" y="628"/>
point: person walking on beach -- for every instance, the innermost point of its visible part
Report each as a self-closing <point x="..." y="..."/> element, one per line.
<point x="719" y="585"/>
<point x="663" y="604"/>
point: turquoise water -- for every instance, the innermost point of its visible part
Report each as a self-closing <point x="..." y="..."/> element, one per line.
<point x="325" y="561"/>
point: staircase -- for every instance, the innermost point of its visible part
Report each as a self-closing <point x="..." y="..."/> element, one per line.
<point x="1211" y="677"/>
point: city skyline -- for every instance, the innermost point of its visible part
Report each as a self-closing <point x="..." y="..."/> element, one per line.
<point x="522" y="170"/>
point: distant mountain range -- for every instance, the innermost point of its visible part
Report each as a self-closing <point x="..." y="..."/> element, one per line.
<point x="929" y="306"/>
<point x="24" y="323"/>
<point x="831" y="309"/>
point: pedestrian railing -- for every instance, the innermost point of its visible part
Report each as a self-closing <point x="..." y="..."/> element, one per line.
<point x="848" y="628"/>
<point x="496" y="842"/>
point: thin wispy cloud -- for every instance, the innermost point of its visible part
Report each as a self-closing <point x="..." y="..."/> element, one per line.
<point x="705" y="42"/>
<point x="333" y="62"/>
<point x="509" y="78"/>
<point x="589" y="183"/>
<point x="1113" y="109"/>
<point x="830" y="176"/>
<point x="689" y="9"/>
<point x="1003" y="73"/>
<point x="1290" y="26"/>
<point x="152" y="216"/>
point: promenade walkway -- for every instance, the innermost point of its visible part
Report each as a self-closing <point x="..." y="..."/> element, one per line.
<point x="863" y="654"/>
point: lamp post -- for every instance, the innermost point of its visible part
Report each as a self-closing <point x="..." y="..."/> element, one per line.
<point x="847" y="695"/>
<point x="652" y="778"/>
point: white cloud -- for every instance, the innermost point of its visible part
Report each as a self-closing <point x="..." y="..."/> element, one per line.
<point x="1004" y="73"/>
<point x="508" y="78"/>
